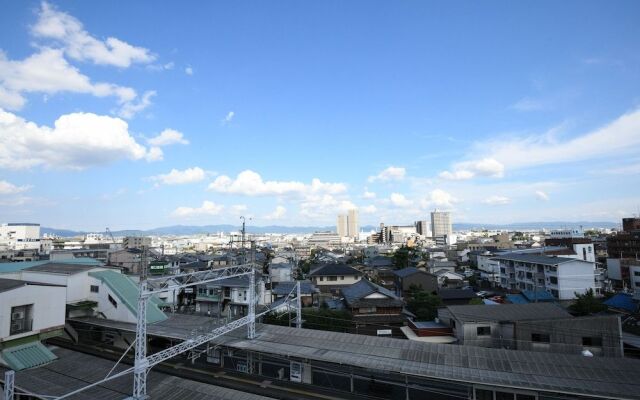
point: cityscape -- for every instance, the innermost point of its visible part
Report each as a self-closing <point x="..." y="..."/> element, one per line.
<point x="319" y="200"/>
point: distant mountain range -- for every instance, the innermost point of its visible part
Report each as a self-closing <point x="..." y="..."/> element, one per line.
<point x="184" y="230"/>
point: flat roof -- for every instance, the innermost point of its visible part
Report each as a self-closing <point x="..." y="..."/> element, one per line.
<point x="61" y="268"/>
<point x="537" y="259"/>
<point x="73" y="370"/>
<point x="9" y="284"/>
<point x="507" y="312"/>
<point x="541" y="371"/>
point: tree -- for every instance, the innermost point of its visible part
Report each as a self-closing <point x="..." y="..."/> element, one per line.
<point x="586" y="304"/>
<point x="476" y="301"/>
<point x="401" y="258"/>
<point x="422" y="303"/>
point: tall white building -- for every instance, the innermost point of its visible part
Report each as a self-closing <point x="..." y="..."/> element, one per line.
<point x="348" y="225"/>
<point x="20" y="236"/>
<point x="441" y="224"/>
<point x="353" y="223"/>
<point x="342" y="226"/>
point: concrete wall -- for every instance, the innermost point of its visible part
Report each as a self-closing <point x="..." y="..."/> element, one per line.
<point x="575" y="277"/>
<point x="48" y="308"/>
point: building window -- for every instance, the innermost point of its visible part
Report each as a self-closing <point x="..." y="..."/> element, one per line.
<point x="592" y="341"/>
<point x="332" y="278"/>
<point x="367" y="310"/>
<point x="321" y="278"/>
<point x="483" y="331"/>
<point x="540" y="338"/>
<point x="636" y="273"/>
<point x="21" y="319"/>
<point x="95" y="288"/>
<point x="553" y="280"/>
<point x="112" y="301"/>
<point x="342" y="278"/>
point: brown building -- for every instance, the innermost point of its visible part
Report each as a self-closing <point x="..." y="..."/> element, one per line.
<point x="407" y="277"/>
<point x="630" y="224"/>
<point x="376" y="311"/>
<point x="624" y="245"/>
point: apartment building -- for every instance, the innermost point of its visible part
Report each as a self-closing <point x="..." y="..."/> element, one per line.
<point x="563" y="277"/>
<point x="20" y="236"/>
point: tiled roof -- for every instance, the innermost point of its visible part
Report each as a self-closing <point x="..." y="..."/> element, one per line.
<point x="335" y="269"/>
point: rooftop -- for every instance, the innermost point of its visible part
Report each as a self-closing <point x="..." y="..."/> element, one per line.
<point x="508" y="312"/>
<point x="335" y="269"/>
<point x="61" y="268"/>
<point x="537" y="259"/>
<point x="10" y="284"/>
<point x="363" y="288"/>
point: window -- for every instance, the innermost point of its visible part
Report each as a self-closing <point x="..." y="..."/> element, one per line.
<point x="592" y="341"/>
<point x="21" y="319"/>
<point x="332" y="278"/>
<point x="210" y="292"/>
<point x="452" y="323"/>
<point x="553" y="280"/>
<point x="482" y="394"/>
<point x="483" y="331"/>
<point x="367" y="310"/>
<point x="95" y="289"/>
<point x="504" y="395"/>
<point x="342" y="278"/>
<point x="321" y="278"/>
<point x="540" y="337"/>
<point x="636" y="273"/>
<point x="112" y="301"/>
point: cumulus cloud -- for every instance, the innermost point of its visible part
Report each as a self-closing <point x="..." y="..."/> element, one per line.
<point x="389" y="174"/>
<point x="540" y="195"/>
<point x="250" y="183"/>
<point x="188" y="71"/>
<point x="278" y="213"/>
<point x="496" y="200"/>
<point x="10" y="188"/>
<point x="466" y="170"/>
<point x="76" y="141"/>
<point x="440" y="198"/>
<point x="48" y="72"/>
<point x="208" y="208"/>
<point x="168" y="137"/>
<point x="322" y="206"/>
<point x="78" y="44"/>
<point x="368" y="195"/>
<point x="177" y="177"/>
<point x="239" y="208"/>
<point x="399" y="200"/>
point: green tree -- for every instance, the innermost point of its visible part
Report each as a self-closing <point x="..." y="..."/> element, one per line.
<point x="586" y="304"/>
<point x="422" y="303"/>
<point x="401" y="258"/>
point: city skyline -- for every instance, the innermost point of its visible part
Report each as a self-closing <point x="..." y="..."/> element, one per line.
<point x="290" y="115"/>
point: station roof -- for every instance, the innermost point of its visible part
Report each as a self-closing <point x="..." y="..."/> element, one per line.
<point x="508" y="312"/>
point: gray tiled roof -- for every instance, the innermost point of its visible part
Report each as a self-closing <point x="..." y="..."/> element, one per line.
<point x="404" y="272"/>
<point x="335" y="269"/>
<point x="359" y="290"/>
<point x="508" y="312"/>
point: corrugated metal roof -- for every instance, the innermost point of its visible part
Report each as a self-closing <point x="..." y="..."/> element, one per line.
<point x="22" y="265"/>
<point x="127" y="291"/>
<point x="508" y="312"/>
<point x="27" y="355"/>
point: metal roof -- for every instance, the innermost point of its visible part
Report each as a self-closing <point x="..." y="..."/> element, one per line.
<point x="537" y="259"/>
<point x="22" y="265"/>
<point x="28" y="355"/>
<point x="74" y="370"/>
<point x="127" y="292"/>
<point x="335" y="269"/>
<point x="508" y="312"/>
<point x="61" y="268"/>
<point x="574" y="374"/>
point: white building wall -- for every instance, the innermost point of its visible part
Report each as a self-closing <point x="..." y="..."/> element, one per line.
<point x="48" y="308"/>
<point x="117" y="313"/>
<point x="348" y="280"/>
<point x="78" y="286"/>
<point x="575" y="277"/>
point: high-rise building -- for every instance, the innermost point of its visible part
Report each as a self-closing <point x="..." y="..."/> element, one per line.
<point x="422" y="228"/>
<point x="348" y="225"/>
<point x="441" y="224"/>
<point x="353" y="223"/>
<point x="342" y="226"/>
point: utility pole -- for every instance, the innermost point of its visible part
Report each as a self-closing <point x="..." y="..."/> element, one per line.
<point x="299" y="307"/>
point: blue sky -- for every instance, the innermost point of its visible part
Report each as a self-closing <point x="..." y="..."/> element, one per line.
<point x="144" y="115"/>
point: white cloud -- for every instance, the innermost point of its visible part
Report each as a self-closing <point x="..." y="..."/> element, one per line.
<point x="618" y="137"/>
<point x="468" y="169"/>
<point x="529" y="104"/>
<point x="399" y="200"/>
<point x="177" y="177"/>
<point x="321" y="207"/>
<point x="278" y="213"/>
<point x="48" y="72"/>
<point x="497" y="200"/>
<point x="389" y="174"/>
<point x="10" y="188"/>
<point x="368" y="195"/>
<point x="129" y="109"/>
<point x="540" y="195"/>
<point x="168" y="137"/>
<point x="188" y="71"/>
<point x="208" y="208"/>
<point x="76" y="141"/>
<point x="440" y="198"/>
<point x="250" y="183"/>
<point x="80" y="45"/>
<point x="228" y="118"/>
<point x="239" y="208"/>
<point x="370" y="209"/>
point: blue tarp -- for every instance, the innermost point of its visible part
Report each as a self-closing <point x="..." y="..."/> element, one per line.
<point x="516" y="299"/>
<point x="538" y="295"/>
<point x="622" y="301"/>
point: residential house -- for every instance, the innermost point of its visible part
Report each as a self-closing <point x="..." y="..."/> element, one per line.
<point x="307" y="291"/>
<point x="411" y="276"/>
<point x="330" y="278"/>
<point x="375" y="310"/>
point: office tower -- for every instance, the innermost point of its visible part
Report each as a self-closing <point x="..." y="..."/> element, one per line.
<point x="441" y="224"/>
<point x="353" y="223"/>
